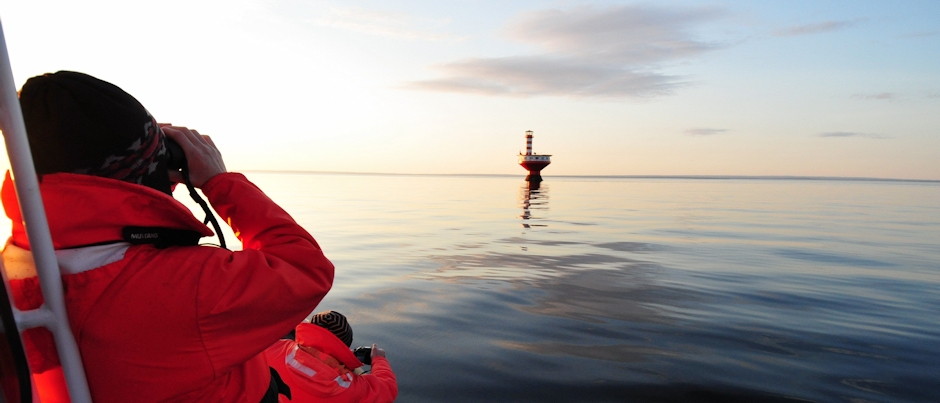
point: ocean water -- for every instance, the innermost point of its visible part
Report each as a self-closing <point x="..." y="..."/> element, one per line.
<point x="483" y="288"/>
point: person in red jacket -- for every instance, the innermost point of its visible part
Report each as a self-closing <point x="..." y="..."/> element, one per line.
<point x="157" y="318"/>
<point x="319" y="367"/>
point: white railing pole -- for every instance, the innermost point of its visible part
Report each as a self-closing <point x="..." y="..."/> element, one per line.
<point x="40" y="241"/>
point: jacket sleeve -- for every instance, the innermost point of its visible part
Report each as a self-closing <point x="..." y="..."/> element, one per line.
<point x="378" y="386"/>
<point x="248" y="299"/>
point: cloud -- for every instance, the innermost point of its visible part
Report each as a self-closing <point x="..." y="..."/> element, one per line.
<point x="611" y="52"/>
<point x="704" y="131"/>
<point x="929" y="34"/>
<point x="625" y="34"/>
<point x="543" y="75"/>
<point x="816" y="28"/>
<point x="851" y="134"/>
<point x="381" y="23"/>
<point x="878" y="96"/>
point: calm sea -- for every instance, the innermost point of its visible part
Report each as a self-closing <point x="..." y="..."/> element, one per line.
<point x="484" y="289"/>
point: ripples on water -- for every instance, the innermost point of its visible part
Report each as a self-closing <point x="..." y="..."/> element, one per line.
<point x="643" y="290"/>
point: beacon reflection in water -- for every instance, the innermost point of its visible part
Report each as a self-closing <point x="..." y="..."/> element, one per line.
<point x="533" y="196"/>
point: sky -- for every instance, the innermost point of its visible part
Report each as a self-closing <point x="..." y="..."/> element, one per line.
<point x="762" y="88"/>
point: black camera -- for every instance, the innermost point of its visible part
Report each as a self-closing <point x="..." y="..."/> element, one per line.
<point x="364" y="354"/>
<point x="176" y="158"/>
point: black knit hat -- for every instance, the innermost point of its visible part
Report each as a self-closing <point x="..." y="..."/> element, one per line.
<point x="336" y="323"/>
<point x="79" y="124"/>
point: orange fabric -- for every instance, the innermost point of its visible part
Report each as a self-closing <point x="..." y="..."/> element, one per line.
<point x="182" y="324"/>
<point x="50" y="386"/>
<point x="326" y="359"/>
<point x="317" y="367"/>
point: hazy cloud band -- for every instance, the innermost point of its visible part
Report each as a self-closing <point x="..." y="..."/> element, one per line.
<point x="704" y="131"/>
<point x="608" y="52"/>
<point x="851" y="134"/>
<point x="816" y="28"/>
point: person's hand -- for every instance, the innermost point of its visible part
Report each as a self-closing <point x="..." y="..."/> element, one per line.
<point x="377" y="352"/>
<point x="202" y="156"/>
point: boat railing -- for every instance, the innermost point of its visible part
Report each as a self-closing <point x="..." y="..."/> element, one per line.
<point x="52" y="314"/>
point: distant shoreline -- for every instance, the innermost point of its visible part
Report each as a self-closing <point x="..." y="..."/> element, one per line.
<point x="549" y="177"/>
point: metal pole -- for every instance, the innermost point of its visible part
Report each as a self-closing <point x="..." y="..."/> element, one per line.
<point x="47" y="267"/>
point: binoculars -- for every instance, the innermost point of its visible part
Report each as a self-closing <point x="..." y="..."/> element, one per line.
<point x="176" y="158"/>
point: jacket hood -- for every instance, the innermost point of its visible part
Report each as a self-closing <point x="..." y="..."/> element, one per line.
<point x="85" y="210"/>
<point x="314" y="336"/>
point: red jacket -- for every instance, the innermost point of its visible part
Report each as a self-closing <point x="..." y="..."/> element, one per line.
<point x="181" y="324"/>
<point x="318" y="367"/>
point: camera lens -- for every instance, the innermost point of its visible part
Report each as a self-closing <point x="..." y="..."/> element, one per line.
<point x="364" y="354"/>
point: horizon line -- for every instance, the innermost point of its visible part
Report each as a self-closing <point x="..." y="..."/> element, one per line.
<point x="697" y="177"/>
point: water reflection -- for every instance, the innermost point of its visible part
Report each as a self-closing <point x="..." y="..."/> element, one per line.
<point x="590" y="327"/>
<point x="612" y="317"/>
<point x="532" y="196"/>
<point x="641" y="291"/>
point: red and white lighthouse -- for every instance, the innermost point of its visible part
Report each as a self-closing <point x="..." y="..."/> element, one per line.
<point x="531" y="161"/>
